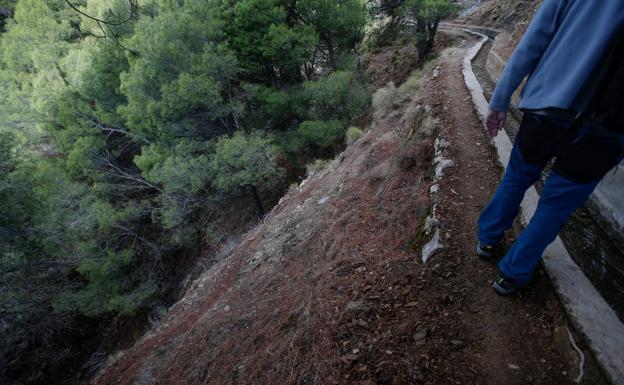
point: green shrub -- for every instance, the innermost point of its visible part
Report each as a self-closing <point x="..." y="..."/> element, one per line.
<point x="184" y="167"/>
<point x="246" y="162"/>
<point x="269" y="108"/>
<point x="317" y="165"/>
<point x="337" y="96"/>
<point x="313" y="139"/>
<point x="321" y="134"/>
<point x="245" y="159"/>
<point x="385" y="99"/>
<point x="353" y="134"/>
<point x="109" y="289"/>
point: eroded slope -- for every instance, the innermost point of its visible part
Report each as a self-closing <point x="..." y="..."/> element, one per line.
<point x="268" y="312"/>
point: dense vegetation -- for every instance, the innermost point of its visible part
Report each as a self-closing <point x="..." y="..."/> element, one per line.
<point x="414" y="19"/>
<point x="127" y="128"/>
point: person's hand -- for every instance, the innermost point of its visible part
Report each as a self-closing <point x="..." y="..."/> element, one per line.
<point x="494" y="121"/>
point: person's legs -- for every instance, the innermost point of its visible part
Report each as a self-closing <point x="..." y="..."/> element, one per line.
<point x="532" y="149"/>
<point x="560" y="198"/>
<point x="581" y="164"/>
<point x="499" y="214"/>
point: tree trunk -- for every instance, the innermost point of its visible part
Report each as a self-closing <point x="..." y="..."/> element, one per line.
<point x="331" y="52"/>
<point x="358" y="57"/>
<point x="256" y="196"/>
<point x="431" y="35"/>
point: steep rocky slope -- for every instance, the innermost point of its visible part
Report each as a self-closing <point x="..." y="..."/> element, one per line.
<point x="512" y="16"/>
<point x="269" y="311"/>
<point x="330" y="289"/>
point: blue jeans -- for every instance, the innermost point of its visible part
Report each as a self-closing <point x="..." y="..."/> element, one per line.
<point x="560" y="198"/>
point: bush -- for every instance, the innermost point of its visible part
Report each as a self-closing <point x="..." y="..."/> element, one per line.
<point x="339" y="95"/>
<point x="245" y="159"/>
<point x="268" y="108"/>
<point x="246" y="162"/>
<point x="384" y="100"/>
<point x="110" y="289"/>
<point x="353" y="134"/>
<point x="182" y="168"/>
<point x="321" y="134"/>
<point x="317" y="166"/>
<point x="415" y="20"/>
<point x="312" y="139"/>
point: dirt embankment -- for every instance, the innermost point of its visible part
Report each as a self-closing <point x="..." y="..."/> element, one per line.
<point x="276" y="309"/>
<point x="512" y="16"/>
<point x="329" y="288"/>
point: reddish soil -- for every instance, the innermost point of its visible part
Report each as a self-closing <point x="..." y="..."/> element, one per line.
<point x="328" y="290"/>
<point x="271" y="311"/>
<point x="391" y="64"/>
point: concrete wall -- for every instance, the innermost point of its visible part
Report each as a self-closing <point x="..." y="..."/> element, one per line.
<point x="607" y="202"/>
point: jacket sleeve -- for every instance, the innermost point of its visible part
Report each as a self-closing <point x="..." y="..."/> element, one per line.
<point x="527" y="54"/>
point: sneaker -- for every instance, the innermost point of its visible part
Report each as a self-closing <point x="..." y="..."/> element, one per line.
<point x="505" y="286"/>
<point x="489" y="253"/>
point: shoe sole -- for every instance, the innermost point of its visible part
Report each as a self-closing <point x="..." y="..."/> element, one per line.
<point x="486" y="257"/>
<point x="498" y="289"/>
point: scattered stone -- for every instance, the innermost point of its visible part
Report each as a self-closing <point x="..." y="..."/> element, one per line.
<point x="420" y="336"/>
<point x="348" y="358"/>
<point x="362" y="323"/>
<point x="441" y="143"/>
<point x="442" y="164"/>
<point x="357" y="306"/>
<point x="430" y="224"/>
<point x="431" y="247"/>
<point x="513" y="367"/>
<point x="411" y="304"/>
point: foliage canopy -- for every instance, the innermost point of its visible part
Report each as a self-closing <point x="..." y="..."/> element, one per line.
<point x="121" y="142"/>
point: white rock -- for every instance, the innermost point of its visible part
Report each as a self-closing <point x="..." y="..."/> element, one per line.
<point x="442" y="165"/>
<point x="431" y="247"/>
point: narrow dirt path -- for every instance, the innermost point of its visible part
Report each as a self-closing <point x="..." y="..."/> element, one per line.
<point x="517" y="340"/>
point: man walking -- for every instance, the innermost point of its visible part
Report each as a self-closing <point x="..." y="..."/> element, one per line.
<point x="573" y="111"/>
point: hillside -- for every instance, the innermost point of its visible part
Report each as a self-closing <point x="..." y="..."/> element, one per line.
<point x="276" y="192"/>
<point x="330" y="288"/>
